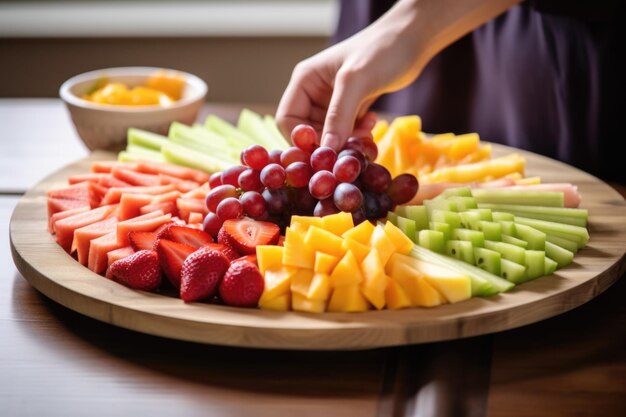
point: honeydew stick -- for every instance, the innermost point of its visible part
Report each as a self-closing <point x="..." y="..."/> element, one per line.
<point x="207" y="142"/>
<point x="146" y="139"/>
<point x="271" y="125"/>
<point x="126" y="156"/>
<point x="574" y="216"/>
<point x="203" y="132"/>
<point x="182" y="155"/>
<point x="218" y="125"/>
<point x="252" y="124"/>
<point x="517" y="196"/>
<point x="500" y="285"/>
<point x="558" y="229"/>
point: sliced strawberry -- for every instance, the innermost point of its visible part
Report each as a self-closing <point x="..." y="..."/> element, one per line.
<point x="242" y="285"/>
<point x="171" y="257"/>
<point x="140" y="271"/>
<point x="244" y="235"/>
<point x="201" y="274"/>
<point x="281" y="240"/>
<point x="188" y="236"/>
<point x="230" y="253"/>
<point x="248" y="258"/>
<point x="142" y="240"/>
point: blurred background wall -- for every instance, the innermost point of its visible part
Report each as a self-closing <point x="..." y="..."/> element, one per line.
<point x="244" y="49"/>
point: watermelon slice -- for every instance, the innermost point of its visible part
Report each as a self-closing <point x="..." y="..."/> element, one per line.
<point x="173" y="171"/>
<point x="65" y="227"/>
<point x="131" y="204"/>
<point x="135" y="178"/>
<point x="114" y="194"/>
<point x="146" y="223"/>
<point x="63" y="214"/>
<point x="189" y="205"/>
<point x="118" y="254"/>
<point x="84" y="235"/>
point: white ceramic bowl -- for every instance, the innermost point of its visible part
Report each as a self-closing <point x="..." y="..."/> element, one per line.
<point x="105" y="126"/>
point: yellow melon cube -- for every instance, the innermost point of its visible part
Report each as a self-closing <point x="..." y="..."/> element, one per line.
<point x="346" y="272"/>
<point x="280" y="303"/>
<point x="359" y="250"/>
<point x="301" y="281"/>
<point x="301" y="303"/>
<point x="306" y="221"/>
<point x="375" y="296"/>
<point x="277" y="281"/>
<point x="402" y="243"/>
<point x="427" y="296"/>
<point x="395" y="297"/>
<point x="338" y="223"/>
<point x="325" y="262"/>
<point x="360" y="233"/>
<point x="373" y="272"/>
<point x="300" y="228"/>
<point x="319" y="290"/>
<point x="269" y="256"/>
<point x="324" y="241"/>
<point x="347" y="299"/>
<point x="454" y="286"/>
<point x="407" y="278"/>
<point x="381" y="242"/>
<point x="402" y="269"/>
<point x="296" y="252"/>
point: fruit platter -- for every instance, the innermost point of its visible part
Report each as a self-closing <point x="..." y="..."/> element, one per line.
<point x="231" y="234"/>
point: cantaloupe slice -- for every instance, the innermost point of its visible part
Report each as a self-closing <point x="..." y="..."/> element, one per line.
<point x="321" y="240"/>
<point x="186" y="206"/>
<point x="65" y="227"/>
<point x="301" y="303"/>
<point x="98" y="250"/>
<point x="347" y="299"/>
<point x="346" y="272"/>
<point x="269" y="256"/>
<point x="297" y="253"/>
<point x="279" y="303"/>
<point x="320" y="287"/>
<point x="62" y="215"/>
<point x="130" y="205"/>
<point x="395" y="297"/>
<point x="301" y="281"/>
<point x="84" y="235"/>
<point x="148" y="222"/>
<point x="338" y="223"/>
<point x="277" y="282"/>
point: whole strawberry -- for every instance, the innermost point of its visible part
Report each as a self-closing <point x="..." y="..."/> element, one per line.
<point x="230" y="253"/>
<point x="242" y="285"/>
<point x="201" y="273"/>
<point x="140" y="271"/>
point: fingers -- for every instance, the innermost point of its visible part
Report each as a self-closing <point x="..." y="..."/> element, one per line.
<point x="295" y="105"/>
<point x="346" y="99"/>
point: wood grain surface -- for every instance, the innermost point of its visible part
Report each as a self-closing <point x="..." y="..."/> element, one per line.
<point x="60" y="277"/>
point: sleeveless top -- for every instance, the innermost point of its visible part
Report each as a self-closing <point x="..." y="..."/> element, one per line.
<point x="545" y="76"/>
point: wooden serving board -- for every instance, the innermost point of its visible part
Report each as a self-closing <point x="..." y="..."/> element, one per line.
<point x="57" y="275"/>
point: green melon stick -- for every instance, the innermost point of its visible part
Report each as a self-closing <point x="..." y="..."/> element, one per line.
<point x="476" y="274"/>
<point x="441" y="227"/>
<point x="476" y="237"/>
<point x="568" y="231"/>
<point x="271" y="125"/>
<point x="564" y="243"/>
<point x="222" y="127"/>
<point x="516" y="196"/>
<point x="126" y="156"/>
<point x="535" y="263"/>
<point x="485" y="214"/>
<point x="491" y="230"/>
<point x="415" y="213"/>
<point x="181" y="155"/>
<point x="488" y="259"/>
<point x="205" y="142"/>
<point x="470" y="220"/>
<point x="536" y="239"/>
<point x="432" y="239"/>
<point x="446" y="216"/>
<point x="498" y="216"/>
<point x="140" y="150"/>
<point x="549" y="266"/>
<point x="461" y="249"/>
<point x="408" y="227"/>
<point x="561" y="256"/>
<point x="514" y="241"/>
<point x="457" y="191"/>
<point x="508" y="227"/>
<point x="252" y="124"/>
<point x="439" y="204"/>
<point x="512" y="271"/>
<point x="202" y="132"/>
<point x="573" y="216"/>
<point x="146" y="139"/>
<point x="511" y="252"/>
<point x="463" y="203"/>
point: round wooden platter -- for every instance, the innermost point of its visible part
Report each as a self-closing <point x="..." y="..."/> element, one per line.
<point x="56" y="274"/>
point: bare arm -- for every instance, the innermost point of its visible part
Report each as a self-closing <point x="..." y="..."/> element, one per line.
<point x="334" y="89"/>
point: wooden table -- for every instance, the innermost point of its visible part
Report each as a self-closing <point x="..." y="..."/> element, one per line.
<point x="56" y="362"/>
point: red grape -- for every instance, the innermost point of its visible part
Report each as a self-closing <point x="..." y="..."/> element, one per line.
<point x="231" y="175"/>
<point x="304" y="137"/>
<point x="298" y="174"/>
<point x="229" y="208"/>
<point x="358" y="155"/>
<point x="355" y="144"/>
<point x="325" y="207"/>
<point x="249" y="180"/>
<point x="322" y="184"/>
<point x="375" y="178"/>
<point x="255" y="156"/>
<point x="371" y="205"/>
<point x="253" y="204"/>
<point x="385" y="203"/>
<point x="293" y="154"/>
<point x="215" y="180"/>
<point x="403" y="188"/>
<point x="212" y="224"/>
<point x="323" y="159"/>
<point x="273" y="176"/>
<point x="216" y="195"/>
<point x="347" y="197"/>
<point x="358" y="216"/>
<point x="347" y="169"/>
<point x="274" y="156"/>
<point x="303" y="202"/>
<point x="277" y="200"/>
<point x="370" y="150"/>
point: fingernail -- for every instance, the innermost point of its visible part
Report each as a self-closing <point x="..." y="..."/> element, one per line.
<point x="331" y="140"/>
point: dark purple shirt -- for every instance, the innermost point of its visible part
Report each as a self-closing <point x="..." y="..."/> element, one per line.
<point x="546" y="76"/>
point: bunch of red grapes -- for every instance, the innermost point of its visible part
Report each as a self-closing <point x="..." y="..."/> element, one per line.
<point x="306" y="179"/>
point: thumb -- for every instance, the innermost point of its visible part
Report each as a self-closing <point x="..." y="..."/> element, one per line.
<point x="348" y="93"/>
